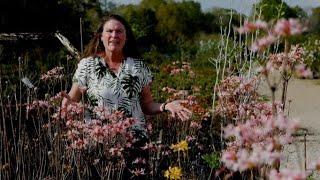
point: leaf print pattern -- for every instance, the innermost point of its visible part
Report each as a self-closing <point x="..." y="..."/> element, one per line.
<point x="144" y="71"/>
<point x="80" y="76"/>
<point x="125" y="106"/>
<point x="130" y="85"/>
<point x="101" y="70"/>
<point x="93" y="100"/>
<point x="117" y="92"/>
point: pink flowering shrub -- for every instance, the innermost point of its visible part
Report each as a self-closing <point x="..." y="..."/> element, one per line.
<point x="233" y="93"/>
<point x="178" y="67"/>
<point x="287" y="174"/>
<point x="291" y="63"/>
<point x="257" y="141"/>
<point x="112" y="132"/>
<point x="288" y="62"/>
<point x="109" y="136"/>
<point x="257" y="131"/>
<point x="99" y="141"/>
<point x="283" y="28"/>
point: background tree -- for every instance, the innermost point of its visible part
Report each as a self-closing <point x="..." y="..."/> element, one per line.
<point x="178" y="19"/>
<point x="151" y="4"/>
<point x="301" y="14"/>
<point x="315" y="20"/>
<point x="143" y="23"/>
<point x="274" y="9"/>
<point x="222" y="18"/>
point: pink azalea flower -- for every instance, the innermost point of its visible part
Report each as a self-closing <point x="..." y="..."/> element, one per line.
<point x="229" y="158"/>
<point x="55" y="73"/>
<point x="79" y="144"/>
<point x="195" y="125"/>
<point x="97" y="134"/>
<point x="190" y="138"/>
<point x="289" y="27"/>
<point x="115" y="151"/>
<point x="250" y="26"/>
<point x="286" y="174"/>
<point x="138" y="172"/>
<point x="302" y="71"/>
<point x="139" y="160"/>
<point x="263" y="43"/>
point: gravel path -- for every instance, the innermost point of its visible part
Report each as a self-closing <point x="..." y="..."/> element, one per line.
<point x="303" y="104"/>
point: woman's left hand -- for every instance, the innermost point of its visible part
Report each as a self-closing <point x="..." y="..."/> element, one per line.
<point x="177" y="110"/>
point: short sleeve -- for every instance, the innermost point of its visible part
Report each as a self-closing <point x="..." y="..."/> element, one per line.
<point x="146" y="75"/>
<point x="80" y="76"/>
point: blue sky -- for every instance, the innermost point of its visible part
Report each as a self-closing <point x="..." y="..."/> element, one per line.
<point x="243" y="6"/>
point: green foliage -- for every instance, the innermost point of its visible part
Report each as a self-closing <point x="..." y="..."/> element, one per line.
<point x="154" y="56"/>
<point x="212" y="159"/>
<point x="315" y="20"/>
<point x="143" y="22"/>
<point x="312" y="54"/>
<point x="178" y="19"/>
<point x="222" y="18"/>
<point x="207" y="48"/>
<point x="92" y="19"/>
<point x="301" y="14"/>
<point x="152" y="4"/>
<point x="162" y="78"/>
<point x="275" y="9"/>
<point x="172" y="26"/>
<point x="203" y="79"/>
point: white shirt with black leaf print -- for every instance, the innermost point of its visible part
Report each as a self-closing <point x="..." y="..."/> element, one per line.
<point x="121" y="91"/>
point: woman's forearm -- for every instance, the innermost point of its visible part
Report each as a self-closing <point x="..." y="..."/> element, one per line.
<point x="153" y="108"/>
<point x="73" y="95"/>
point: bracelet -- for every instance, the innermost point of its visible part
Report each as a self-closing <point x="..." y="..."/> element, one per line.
<point x="163" y="107"/>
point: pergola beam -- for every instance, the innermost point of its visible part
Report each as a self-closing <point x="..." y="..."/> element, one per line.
<point x="39" y="36"/>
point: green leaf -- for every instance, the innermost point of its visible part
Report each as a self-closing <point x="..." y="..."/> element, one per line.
<point x="212" y="159"/>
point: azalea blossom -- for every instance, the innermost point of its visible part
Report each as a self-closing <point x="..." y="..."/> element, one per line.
<point x="302" y="71"/>
<point x="55" y="73"/>
<point x="39" y="104"/>
<point x="139" y="160"/>
<point x="252" y="26"/>
<point x="289" y="27"/>
<point x="195" y="125"/>
<point x="115" y="151"/>
<point x="79" y="144"/>
<point x="287" y="174"/>
<point x="263" y="43"/>
<point x="138" y="172"/>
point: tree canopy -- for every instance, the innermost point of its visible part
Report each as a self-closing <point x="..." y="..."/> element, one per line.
<point x="274" y="9"/>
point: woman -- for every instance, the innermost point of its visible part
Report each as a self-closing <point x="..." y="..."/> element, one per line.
<point x="112" y="76"/>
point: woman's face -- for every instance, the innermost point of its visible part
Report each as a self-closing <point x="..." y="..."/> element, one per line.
<point x="113" y="36"/>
